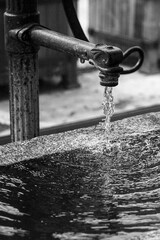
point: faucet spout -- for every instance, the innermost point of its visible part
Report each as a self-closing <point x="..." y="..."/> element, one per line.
<point x="104" y="57"/>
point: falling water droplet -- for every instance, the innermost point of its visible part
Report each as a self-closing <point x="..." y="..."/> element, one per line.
<point x="82" y="60"/>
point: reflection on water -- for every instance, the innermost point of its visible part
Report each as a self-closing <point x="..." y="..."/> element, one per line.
<point x="83" y="194"/>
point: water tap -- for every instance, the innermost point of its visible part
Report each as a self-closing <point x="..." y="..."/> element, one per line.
<point x="107" y="59"/>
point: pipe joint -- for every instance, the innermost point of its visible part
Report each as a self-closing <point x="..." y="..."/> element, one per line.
<point x="13" y="24"/>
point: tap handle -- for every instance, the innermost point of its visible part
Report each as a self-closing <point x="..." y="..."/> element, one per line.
<point x="138" y="64"/>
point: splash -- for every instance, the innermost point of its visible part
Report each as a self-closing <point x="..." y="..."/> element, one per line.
<point x="108" y="109"/>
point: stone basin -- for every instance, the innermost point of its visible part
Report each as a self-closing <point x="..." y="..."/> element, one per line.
<point x="72" y="186"/>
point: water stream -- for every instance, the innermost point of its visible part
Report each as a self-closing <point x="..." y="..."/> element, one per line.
<point x="108" y="109"/>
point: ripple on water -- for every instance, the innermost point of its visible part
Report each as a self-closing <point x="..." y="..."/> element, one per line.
<point x="85" y="194"/>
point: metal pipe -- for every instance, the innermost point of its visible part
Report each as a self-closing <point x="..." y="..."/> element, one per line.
<point x="103" y="55"/>
<point x="23" y="71"/>
<point x="57" y="41"/>
<point x="73" y="20"/>
<point x="21" y="7"/>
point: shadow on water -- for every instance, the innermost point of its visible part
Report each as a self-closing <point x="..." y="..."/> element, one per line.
<point x="82" y="194"/>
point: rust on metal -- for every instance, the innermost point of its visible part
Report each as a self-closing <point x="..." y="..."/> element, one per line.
<point x="23" y="71"/>
<point x="24" y="101"/>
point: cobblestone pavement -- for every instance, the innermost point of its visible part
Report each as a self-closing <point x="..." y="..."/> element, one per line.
<point x="63" y="106"/>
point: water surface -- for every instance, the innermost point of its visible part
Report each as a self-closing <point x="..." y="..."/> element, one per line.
<point x="84" y="194"/>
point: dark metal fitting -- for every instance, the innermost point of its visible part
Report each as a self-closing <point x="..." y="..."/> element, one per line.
<point x="23" y="34"/>
<point x="109" y="80"/>
<point x="109" y="77"/>
<point x="106" y="56"/>
<point x="138" y="64"/>
<point x="111" y="57"/>
<point x="106" y="60"/>
<point x="13" y="24"/>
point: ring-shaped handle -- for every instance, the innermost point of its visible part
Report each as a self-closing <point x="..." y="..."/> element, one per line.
<point x="139" y="62"/>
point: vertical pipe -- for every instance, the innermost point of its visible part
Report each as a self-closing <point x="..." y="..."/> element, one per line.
<point x="24" y="106"/>
<point x="23" y="71"/>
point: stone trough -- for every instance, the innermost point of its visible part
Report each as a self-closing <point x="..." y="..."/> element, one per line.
<point x="71" y="186"/>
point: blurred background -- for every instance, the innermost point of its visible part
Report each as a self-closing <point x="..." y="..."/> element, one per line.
<point x="69" y="90"/>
